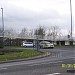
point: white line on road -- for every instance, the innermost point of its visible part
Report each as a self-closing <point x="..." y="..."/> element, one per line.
<point x="3" y="68"/>
<point x="54" y="74"/>
<point x="56" y="62"/>
<point x="45" y="63"/>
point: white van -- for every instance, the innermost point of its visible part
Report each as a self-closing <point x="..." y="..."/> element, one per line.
<point x="27" y="44"/>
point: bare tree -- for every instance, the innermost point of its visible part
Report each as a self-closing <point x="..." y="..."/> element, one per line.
<point x="40" y="31"/>
<point x="53" y="32"/>
<point x="9" y="32"/>
<point x="23" y="33"/>
<point x="31" y="33"/>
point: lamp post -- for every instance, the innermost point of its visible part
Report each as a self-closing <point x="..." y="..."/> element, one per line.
<point x="2" y="27"/>
<point x="71" y="17"/>
<point x="71" y="39"/>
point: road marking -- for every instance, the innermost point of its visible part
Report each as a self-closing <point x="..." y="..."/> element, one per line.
<point x="34" y="64"/>
<point x="56" y="62"/>
<point x="52" y="62"/>
<point x="54" y="74"/>
<point x="37" y="64"/>
<point x="3" y="68"/>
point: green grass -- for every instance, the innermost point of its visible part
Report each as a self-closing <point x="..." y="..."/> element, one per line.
<point x="19" y="55"/>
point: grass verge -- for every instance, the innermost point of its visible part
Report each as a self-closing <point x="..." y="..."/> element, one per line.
<point x="19" y="55"/>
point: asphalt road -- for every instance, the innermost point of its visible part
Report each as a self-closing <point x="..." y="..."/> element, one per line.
<point x="51" y="65"/>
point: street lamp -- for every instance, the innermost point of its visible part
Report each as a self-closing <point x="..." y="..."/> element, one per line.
<point x="3" y="26"/>
<point x="71" y="17"/>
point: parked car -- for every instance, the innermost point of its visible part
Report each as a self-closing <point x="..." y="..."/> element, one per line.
<point x="46" y="44"/>
<point x="27" y="44"/>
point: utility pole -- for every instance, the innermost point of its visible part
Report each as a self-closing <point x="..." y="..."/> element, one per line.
<point x="54" y="35"/>
<point x="2" y="27"/>
<point x="71" y="39"/>
<point x="71" y="17"/>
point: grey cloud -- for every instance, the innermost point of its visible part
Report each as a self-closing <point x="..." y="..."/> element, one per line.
<point x="17" y="18"/>
<point x="22" y="14"/>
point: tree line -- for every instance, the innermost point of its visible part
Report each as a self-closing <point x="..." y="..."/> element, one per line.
<point x="40" y="31"/>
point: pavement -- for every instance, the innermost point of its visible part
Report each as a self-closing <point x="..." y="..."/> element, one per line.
<point x="45" y="54"/>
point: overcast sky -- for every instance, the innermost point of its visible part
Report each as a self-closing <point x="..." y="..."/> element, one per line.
<point x="32" y="13"/>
